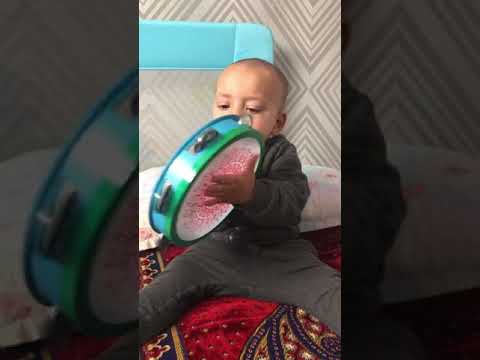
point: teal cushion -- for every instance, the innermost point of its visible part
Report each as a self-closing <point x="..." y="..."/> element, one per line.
<point x="172" y="45"/>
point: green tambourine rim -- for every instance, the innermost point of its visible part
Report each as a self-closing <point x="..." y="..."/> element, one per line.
<point x="183" y="187"/>
<point x="75" y="296"/>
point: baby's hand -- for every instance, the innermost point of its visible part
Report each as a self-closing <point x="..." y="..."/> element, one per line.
<point x="232" y="189"/>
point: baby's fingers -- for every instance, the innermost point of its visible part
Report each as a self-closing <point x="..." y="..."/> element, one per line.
<point x="215" y="190"/>
<point x="212" y="201"/>
<point x="223" y="179"/>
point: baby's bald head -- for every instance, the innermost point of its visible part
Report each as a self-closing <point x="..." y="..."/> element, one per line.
<point x="255" y="87"/>
<point x="267" y="71"/>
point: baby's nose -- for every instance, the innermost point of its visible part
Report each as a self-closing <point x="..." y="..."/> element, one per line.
<point x="238" y="113"/>
<point x="237" y="109"/>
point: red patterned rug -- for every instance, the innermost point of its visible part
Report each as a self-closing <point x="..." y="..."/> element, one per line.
<point x="232" y="328"/>
<point x="238" y="328"/>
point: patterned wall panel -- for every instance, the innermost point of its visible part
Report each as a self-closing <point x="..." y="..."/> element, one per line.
<point x="419" y="63"/>
<point x="307" y="37"/>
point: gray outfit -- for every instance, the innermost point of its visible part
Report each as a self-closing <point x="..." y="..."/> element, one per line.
<point x="255" y="253"/>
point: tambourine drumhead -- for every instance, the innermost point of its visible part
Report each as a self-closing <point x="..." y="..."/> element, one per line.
<point x="113" y="279"/>
<point x="177" y="207"/>
<point x="195" y="220"/>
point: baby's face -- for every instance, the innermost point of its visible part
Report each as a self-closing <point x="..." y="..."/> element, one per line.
<point x="244" y="89"/>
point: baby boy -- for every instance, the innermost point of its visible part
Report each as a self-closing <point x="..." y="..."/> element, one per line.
<point x="257" y="252"/>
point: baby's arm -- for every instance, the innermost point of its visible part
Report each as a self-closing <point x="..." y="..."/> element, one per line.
<point x="279" y="198"/>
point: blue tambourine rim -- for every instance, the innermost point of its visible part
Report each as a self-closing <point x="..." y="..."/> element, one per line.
<point x="182" y="148"/>
<point x="55" y="169"/>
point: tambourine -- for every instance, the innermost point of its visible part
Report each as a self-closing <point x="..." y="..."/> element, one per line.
<point x="81" y="248"/>
<point x="223" y="146"/>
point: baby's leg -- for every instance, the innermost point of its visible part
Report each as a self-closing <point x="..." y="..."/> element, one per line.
<point x="316" y="289"/>
<point x="294" y="275"/>
<point x="184" y="282"/>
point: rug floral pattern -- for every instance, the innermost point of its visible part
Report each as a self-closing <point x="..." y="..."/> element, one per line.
<point x="236" y="328"/>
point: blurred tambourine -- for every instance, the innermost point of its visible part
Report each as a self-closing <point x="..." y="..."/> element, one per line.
<point x="81" y="249"/>
<point x="223" y="146"/>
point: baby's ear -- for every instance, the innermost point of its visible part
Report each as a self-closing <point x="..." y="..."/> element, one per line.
<point x="281" y="121"/>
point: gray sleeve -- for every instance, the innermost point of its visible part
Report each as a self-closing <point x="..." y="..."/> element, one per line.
<point x="280" y="197"/>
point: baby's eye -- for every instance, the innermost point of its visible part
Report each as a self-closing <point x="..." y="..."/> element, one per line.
<point x="223" y="106"/>
<point x="253" y="110"/>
